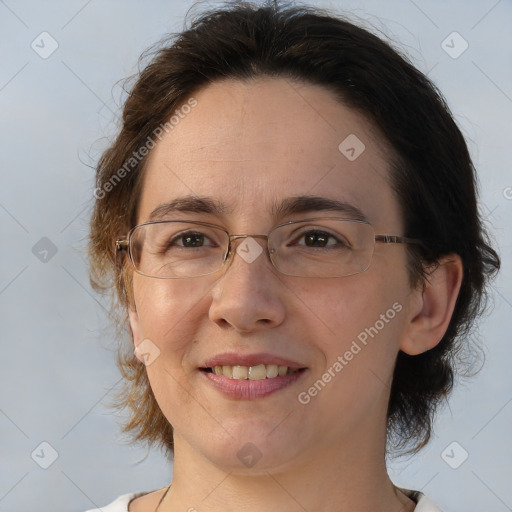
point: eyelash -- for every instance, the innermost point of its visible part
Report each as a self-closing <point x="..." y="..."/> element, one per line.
<point x="294" y="240"/>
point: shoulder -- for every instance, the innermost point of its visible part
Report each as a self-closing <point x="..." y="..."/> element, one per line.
<point x="136" y="501"/>
<point x="423" y="503"/>
<point x="141" y="500"/>
<point x="118" y="505"/>
<point x="426" y="505"/>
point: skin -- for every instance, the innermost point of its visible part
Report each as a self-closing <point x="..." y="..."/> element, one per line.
<point x="250" y="144"/>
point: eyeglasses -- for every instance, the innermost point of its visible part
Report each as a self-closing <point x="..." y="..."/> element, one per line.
<point x="317" y="247"/>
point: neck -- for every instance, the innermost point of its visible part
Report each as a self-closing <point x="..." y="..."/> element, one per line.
<point x="327" y="478"/>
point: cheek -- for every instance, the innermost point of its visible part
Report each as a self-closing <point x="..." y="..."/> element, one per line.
<point x="361" y="316"/>
<point x="168" y="310"/>
<point x="169" y="316"/>
<point x="358" y="323"/>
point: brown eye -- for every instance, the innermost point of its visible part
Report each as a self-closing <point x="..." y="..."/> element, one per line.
<point x="320" y="239"/>
<point x="190" y="240"/>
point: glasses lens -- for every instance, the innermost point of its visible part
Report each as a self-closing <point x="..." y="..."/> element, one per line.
<point x="177" y="249"/>
<point x="322" y="248"/>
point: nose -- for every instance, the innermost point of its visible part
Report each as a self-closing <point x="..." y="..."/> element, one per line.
<point x="248" y="297"/>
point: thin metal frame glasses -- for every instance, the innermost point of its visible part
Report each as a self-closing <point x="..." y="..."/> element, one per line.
<point x="154" y="249"/>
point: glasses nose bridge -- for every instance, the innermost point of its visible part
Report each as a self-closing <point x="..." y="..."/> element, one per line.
<point x="232" y="238"/>
<point x="243" y="236"/>
<point x="236" y="237"/>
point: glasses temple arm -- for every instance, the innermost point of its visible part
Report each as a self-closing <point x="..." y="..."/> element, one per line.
<point x="122" y="245"/>
<point x="393" y="239"/>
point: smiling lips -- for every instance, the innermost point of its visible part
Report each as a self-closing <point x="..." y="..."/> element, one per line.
<point x="250" y="377"/>
<point x="257" y="372"/>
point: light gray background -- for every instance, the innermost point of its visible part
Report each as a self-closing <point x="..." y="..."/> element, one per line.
<point x="57" y="363"/>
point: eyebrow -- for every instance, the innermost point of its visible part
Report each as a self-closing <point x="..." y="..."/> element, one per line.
<point x="289" y="206"/>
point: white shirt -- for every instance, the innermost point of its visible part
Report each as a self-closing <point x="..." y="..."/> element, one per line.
<point x="423" y="504"/>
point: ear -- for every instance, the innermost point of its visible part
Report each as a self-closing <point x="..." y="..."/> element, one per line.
<point x="433" y="306"/>
<point x="134" y="324"/>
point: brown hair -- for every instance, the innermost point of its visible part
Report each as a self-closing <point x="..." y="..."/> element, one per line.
<point x="432" y="175"/>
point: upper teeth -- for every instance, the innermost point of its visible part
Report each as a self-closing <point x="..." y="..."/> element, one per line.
<point x="258" y="372"/>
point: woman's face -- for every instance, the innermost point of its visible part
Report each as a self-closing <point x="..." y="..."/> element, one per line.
<point x="249" y="147"/>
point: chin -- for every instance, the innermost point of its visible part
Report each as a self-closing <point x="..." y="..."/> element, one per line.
<point x="259" y="447"/>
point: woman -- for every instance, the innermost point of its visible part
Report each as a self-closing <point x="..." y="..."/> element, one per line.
<point x="288" y="217"/>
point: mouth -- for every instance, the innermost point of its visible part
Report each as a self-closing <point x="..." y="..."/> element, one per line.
<point x="256" y="372"/>
<point x="251" y="377"/>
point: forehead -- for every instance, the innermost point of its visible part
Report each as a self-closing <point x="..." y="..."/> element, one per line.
<point x="250" y="145"/>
